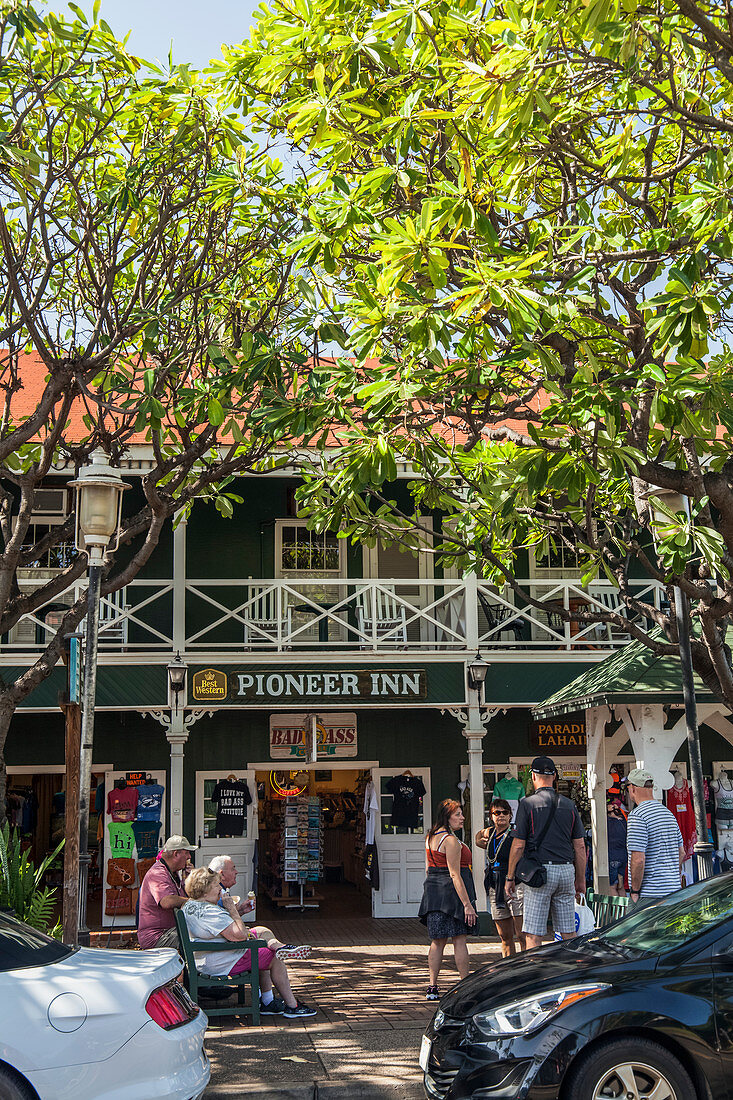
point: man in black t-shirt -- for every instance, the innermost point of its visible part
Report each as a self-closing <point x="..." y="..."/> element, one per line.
<point x="562" y="853"/>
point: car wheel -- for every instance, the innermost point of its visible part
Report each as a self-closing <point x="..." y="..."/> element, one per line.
<point x="13" y="1087"/>
<point x="629" y="1069"/>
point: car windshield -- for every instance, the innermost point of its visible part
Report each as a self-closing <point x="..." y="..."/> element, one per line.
<point x="675" y="920"/>
<point x="22" y="946"/>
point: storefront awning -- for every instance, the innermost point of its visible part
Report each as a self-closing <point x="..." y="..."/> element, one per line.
<point x="633" y="675"/>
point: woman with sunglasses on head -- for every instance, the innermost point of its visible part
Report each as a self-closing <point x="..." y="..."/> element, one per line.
<point x="505" y="911"/>
<point x="449" y="895"/>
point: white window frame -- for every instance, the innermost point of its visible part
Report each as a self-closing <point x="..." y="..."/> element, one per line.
<point x="305" y="574"/>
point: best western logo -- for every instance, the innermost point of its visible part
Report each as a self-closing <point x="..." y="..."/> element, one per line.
<point x="209" y="684"/>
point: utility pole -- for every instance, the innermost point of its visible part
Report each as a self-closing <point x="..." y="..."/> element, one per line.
<point x="72" y="751"/>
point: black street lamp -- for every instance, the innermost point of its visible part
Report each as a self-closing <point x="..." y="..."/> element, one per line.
<point x="477" y="670"/>
<point x="677" y="502"/>
<point x="99" y="490"/>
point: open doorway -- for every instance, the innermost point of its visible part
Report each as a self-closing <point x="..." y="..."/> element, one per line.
<point x="311" y="840"/>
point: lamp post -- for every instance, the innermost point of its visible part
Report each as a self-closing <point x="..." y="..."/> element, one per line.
<point x="677" y="502"/>
<point x="99" y="491"/>
<point x="474" y="732"/>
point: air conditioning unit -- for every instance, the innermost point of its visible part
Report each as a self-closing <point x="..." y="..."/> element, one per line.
<point x="50" y="504"/>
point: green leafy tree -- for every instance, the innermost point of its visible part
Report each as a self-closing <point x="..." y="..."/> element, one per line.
<point x="519" y="224"/>
<point x="143" y="242"/>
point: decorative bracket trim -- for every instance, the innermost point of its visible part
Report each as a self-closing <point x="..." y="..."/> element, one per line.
<point x="165" y="718"/>
<point x="485" y="714"/>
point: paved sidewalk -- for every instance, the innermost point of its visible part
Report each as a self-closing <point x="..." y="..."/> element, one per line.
<point x="368" y="980"/>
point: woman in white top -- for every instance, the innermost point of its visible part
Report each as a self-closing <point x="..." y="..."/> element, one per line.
<point x="207" y="920"/>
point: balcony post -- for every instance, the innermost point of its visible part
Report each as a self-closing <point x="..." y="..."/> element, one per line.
<point x="472" y="632"/>
<point x="179" y="587"/>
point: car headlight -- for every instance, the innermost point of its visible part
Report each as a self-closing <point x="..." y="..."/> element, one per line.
<point x="521" y="1017"/>
<point x="438" y="1019"/>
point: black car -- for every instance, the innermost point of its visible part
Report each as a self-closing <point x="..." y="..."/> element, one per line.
<point x="642" y="1010"/>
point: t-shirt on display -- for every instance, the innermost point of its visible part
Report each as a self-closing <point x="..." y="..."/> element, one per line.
<point x="232" y="798"/>
<point x="146" y="838"/>
<point x="532" y="814"/>
<point x="121" y="838"/>
<point x="407" y="792"/>
<point x="122" y="803"/>
<point x="149" y="802"/>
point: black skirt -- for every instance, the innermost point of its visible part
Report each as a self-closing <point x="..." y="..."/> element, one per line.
<point x="439" y="896"/>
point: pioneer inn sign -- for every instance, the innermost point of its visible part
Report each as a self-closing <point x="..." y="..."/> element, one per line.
<point x="258" y="685"/>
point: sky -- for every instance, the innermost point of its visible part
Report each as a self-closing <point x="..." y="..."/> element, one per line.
<point x="196" y="29"/>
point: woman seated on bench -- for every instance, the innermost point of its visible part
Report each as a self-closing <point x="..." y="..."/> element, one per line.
<point x="207" y="920"/>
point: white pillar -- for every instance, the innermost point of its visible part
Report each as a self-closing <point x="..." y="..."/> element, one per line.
<point x="596" y="768"/>
<point x="472" y="632"/>
<point x="179" y="588"/>
<point x="475" y="738"/>
<point x="177" y="735"/>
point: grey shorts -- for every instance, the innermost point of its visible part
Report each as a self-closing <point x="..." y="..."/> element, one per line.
<point x="512" y="907"/>
<point x="169" y="938"/>
<point x="557" y="895"/>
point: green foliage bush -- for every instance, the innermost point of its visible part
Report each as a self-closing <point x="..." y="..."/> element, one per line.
<point x="20" y="883"/>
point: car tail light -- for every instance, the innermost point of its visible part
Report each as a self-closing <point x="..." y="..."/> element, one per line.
<point x="170" y="1006"/>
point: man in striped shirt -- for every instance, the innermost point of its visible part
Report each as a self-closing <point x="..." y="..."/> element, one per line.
<point x="654" y="840"/>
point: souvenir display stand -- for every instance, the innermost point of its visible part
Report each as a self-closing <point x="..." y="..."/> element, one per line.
<point x="131" y="835"/>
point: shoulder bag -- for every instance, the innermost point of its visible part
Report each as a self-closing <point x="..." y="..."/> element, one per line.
<point x="529" y="870"/>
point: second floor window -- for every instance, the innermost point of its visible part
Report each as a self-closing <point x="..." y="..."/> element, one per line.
<point x="300" y="552"/>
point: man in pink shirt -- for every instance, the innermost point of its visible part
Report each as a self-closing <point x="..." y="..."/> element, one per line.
<point x="161" y="892"/>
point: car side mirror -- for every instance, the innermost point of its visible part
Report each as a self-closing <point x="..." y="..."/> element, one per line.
<point x="722" y="955"/>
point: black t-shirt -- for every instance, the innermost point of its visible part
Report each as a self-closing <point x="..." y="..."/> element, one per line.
<point x="532" y="814"/>
<point x="232" y="798"/>
<point x="407" y="791"/>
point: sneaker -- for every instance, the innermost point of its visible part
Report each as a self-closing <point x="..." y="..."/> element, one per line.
<point x="432" y="993"/>
<point x="290" y="952"/>
<point x="276" y="1007"/>
<point x="299" y="1011"/>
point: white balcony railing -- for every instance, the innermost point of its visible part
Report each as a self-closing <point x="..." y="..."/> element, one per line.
<point x="232" y="616"/>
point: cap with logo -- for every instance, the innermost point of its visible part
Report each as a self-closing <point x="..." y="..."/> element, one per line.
<point x="178" y="844"/>
<point x="639" y="777"/>
<point x="542" y="765"/>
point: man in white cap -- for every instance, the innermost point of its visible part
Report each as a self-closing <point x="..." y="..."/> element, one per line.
<point x="654" y="840"/>
<point x="161" y="893"/>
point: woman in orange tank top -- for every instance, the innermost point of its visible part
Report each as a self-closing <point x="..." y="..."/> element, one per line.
<point x="449" y="895"/>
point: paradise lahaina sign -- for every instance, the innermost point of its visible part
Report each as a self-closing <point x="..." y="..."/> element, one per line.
<point x="559" y="736"/>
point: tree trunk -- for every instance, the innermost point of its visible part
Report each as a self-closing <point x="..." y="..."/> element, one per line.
<point x="7" y="710"/>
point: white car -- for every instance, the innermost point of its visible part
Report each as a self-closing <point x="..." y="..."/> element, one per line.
<point x="95" y="1024"/>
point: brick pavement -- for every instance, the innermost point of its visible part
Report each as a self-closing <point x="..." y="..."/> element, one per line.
<point x="367" y="978"/>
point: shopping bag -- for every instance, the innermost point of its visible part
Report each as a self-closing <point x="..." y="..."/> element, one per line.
<point x="584" y="919"/>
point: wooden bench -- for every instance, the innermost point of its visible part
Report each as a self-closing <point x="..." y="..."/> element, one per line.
<point x="197" y="981"/>
<point x="607" y="908"/>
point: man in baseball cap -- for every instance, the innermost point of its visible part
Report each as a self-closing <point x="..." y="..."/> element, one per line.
<point x="161" y="893"/>
<point x="654" y="840"/>
<point x="542" y="765"/>
<point x="549" y="826"/>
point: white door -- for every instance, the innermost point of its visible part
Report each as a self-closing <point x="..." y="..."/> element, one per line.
<point x="401" y="851"/>
<point x="240" y="848"/>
